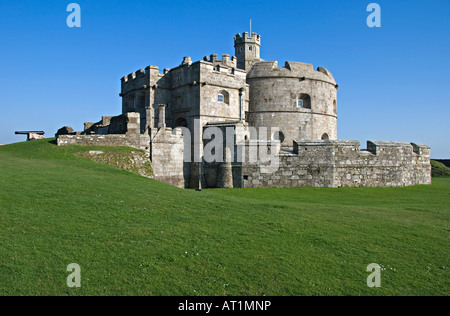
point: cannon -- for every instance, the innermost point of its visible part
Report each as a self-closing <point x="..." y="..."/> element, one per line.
<point x="32" y="135"/>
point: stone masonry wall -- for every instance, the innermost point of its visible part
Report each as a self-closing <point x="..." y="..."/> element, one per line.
<point x="343" y="164"/>
<point x="274" y="95"/>
<point x="136" y="141"/>
<point x="130" y="138"/>
<point x="167" y="149"/>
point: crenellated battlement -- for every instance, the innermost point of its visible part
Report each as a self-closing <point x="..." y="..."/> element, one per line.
<point x="227" y="60"/>
<point x="141" y="79"/>
<point x="246" y="38"/>
<point x="134" y="75"/>
<point x="344" y="164"/>
<point x="139" y="74"/>
<point x="270" y="69"/>
<point x="386" y="149"/>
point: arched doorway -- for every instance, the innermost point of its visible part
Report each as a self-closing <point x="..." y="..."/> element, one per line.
<point x="325" y="136"/>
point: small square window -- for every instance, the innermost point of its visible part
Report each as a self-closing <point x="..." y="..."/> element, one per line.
<point x="300" y="103"/>
<point x="220" y="98"/>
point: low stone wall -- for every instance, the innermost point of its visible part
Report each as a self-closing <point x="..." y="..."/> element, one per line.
<point x="343" y="164"/>
<point x="136" y="141"/>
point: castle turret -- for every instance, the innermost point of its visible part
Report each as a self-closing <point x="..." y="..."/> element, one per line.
<point x="296" y="98"/>
<point x="247" y="50"/>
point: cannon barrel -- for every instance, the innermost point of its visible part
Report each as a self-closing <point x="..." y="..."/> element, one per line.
<point x="30" y="132"/>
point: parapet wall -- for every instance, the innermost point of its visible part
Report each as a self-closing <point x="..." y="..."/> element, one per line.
<point x="137" y="80"/>
<point x="136" y="141"/>
<point x="270" y="69"/>
<point x="225" y="61"/>
<point x="343" y="164"/>
<point x="246" y="37"/>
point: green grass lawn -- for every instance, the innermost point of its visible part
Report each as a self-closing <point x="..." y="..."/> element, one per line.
<point x="134" y="236"/>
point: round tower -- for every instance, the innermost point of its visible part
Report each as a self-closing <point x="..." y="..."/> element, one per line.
<point x="247" y="50"/>
<point x="300" y="101"/>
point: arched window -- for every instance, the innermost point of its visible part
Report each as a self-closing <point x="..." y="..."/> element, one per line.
<point x="304" y="101"/>
<point x="223" y="97"/>
<point x="325" y="136"/>
<point x="335" y="107"/>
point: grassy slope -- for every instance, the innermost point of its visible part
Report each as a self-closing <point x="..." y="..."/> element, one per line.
<point x="438" y="169"/>
<point x="133" y="235"/>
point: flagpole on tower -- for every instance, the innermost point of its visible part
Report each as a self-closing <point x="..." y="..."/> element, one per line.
<point x="250" y="27"/>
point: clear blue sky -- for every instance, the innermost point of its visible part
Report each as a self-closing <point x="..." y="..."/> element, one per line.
<point x="393" y="80"/>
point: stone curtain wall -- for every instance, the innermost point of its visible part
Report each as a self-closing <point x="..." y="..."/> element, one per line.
<point x="131" y="138"/>
<point x="136" y="141"/>
<point x="343" y="164"/>
<point x="389" y="164"/>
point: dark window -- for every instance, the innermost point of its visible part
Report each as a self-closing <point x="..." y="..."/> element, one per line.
<point x="304" y="101"/>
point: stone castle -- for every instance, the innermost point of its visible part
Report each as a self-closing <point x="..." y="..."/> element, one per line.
<point x="289" y="112"/>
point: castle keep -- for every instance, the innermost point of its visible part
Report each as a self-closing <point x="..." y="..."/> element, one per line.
<point x="289" y="113"/>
